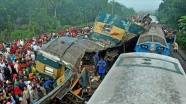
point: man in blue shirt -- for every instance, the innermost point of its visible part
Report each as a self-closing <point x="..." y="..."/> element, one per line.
<point x="101" y="70"/>
<point x="11" y="57"/>
<point x="47" y="84"/>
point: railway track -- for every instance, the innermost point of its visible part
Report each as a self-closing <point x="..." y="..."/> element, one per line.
<point x="178" y="56"/>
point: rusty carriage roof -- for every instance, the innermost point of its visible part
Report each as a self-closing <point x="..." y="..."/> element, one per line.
<point x="68" y="50"/>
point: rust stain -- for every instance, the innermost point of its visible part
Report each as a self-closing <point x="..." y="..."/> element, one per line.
<point x="114" y="34"/>
<point x="104" y="41"/>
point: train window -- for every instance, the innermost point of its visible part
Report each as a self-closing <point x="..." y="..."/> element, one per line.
<point x="49" y="70"/>
<point x="160" y="48"/>
<point x="159" y="40"/>
<point x="144" y="46"/>
<point x="147" y="38"/>
<point x="107" y="29"/>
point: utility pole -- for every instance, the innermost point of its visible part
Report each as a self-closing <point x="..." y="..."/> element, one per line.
<point x="112" y="6"/>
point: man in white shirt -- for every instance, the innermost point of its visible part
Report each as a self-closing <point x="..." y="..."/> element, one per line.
<point x="2" y="64"/>
<point x="1" y="75"/>
<point x="35" y="48"/>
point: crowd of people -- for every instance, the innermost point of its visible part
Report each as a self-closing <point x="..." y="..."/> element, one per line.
<point x="19" y="81"/>
<point x="170" y="35"/>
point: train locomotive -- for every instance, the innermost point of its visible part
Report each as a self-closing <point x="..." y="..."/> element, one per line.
<point x="153" y="41"/>
<point x="142" y="78"/>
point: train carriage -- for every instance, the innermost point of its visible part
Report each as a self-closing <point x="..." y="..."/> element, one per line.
<point x="142" y="78"/>
<point x="153" y="41"/>
<point x="60" y="60"/>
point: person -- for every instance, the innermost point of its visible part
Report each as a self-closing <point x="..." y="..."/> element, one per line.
<point x="175" y="47"/>
<point x="22" y="99"/>
<point x="42" y="89"/>
<point x="1" y="76"/>
<point x="26" y="94"/>
<point x="2" y="93"/>
<point x="101" y="70"/>
<point x="12" y="98"/>
<point x="47" y="85"/>
<point x="35" y="48"/>
<point x="29" y="87"/>
<point x="17" y="92"/>
<point x="34" y="93"/>
<point x="172" y="37"/>
<point x="21" y="85"/>
<point x="96" y="59"/>
<point x="7" y="72"/>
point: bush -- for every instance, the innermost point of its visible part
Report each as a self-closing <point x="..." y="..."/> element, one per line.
<point x="22" y="34"/>
<point x="181" y="40"/>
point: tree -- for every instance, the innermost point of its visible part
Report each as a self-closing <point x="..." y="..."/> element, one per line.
<point x="50" y="4"/>
<point x="170" y="11"/>
<point x="43" y="16"/>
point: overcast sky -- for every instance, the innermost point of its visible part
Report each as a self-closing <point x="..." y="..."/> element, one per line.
<point x="141" y="5"/>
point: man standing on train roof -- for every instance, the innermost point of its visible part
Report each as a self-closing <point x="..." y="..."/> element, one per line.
<point x="101" y="68"/>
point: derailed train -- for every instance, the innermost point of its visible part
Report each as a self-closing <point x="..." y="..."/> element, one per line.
<point x="153" y="40"/>
<point x="61" y="59"/>
<point x="142" y="78"/>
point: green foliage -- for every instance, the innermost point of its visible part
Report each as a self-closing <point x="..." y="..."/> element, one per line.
<point x="20" y="17"/>
<point x="170" y="11"/>
<point x="182" y="23"/>
<point x="21" y="34"/>
<point x="181" y="39"/>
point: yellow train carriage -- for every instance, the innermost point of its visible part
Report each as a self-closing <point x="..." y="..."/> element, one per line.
<point x="60" y="59"/>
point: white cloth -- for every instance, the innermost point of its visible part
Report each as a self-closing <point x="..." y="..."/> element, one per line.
<point x="8" y="49"/>
<point x="16" y="67"/>
<point x="30" y="91"/>
<point x="35" y="47"/>
<point x="23" y="100"/>
<point x="22" y="42"/>
<point x="28" y="52"/>
<point x="33" y="57"/>
<point x="2" y="65"/>
<point x="1" y="77"/>
<point x="26" y="94"/>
